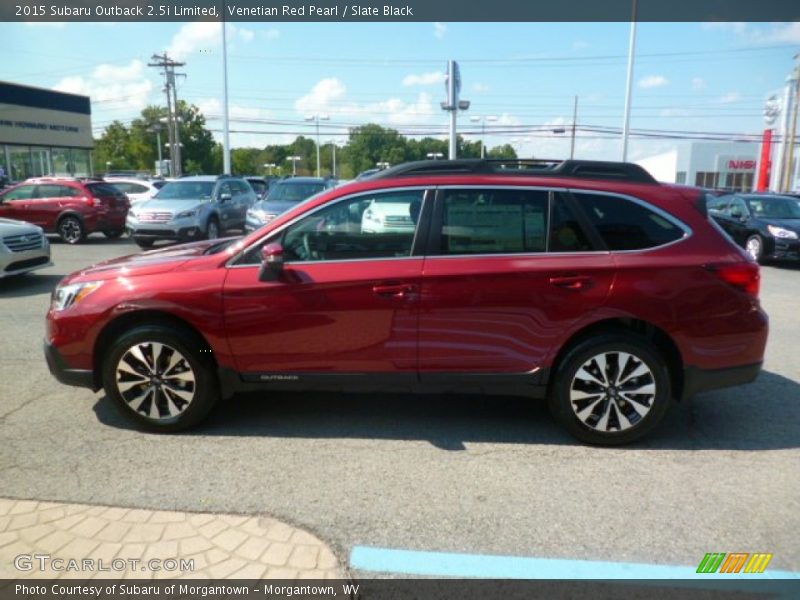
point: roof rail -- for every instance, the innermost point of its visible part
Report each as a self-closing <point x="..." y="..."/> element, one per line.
<point x="587" y="169"/>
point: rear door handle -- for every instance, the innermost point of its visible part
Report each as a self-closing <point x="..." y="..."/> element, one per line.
<point x="572" y="282"/>
<point x="394" y="290"/>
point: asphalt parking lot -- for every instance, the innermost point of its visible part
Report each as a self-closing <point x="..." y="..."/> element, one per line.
<point x="457" y="474"/>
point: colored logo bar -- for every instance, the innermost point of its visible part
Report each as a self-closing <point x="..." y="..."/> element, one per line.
<point x="734" y="562"/>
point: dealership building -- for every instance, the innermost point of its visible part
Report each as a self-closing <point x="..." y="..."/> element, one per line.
<point x="728" y="165"/>
<point x="43" y="132"/>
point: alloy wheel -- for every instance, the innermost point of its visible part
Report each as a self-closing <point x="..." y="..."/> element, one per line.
<point x="70" y="230"/>
<point x="612" y="391"/>
<point x="753" y="248"/>
<point x="155" y="380"/>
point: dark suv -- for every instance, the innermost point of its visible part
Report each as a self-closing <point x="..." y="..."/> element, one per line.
<point x="72" y="208"/>
<point x="586" y="283"/>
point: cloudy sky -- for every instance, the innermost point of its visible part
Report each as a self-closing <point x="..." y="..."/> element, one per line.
<point x="693" y="77"/>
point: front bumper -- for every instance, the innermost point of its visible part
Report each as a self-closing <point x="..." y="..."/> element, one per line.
<point x="183" y="230"/>
<point x="16" y="263"/>
<point x="702" y="380"/>
<point x="61" y="371"/>
<point x="786" y="250"/>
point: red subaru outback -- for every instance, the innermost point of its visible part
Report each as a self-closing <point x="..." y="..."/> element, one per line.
<point x="586" y="283"/>
<point x="71" y="207"/>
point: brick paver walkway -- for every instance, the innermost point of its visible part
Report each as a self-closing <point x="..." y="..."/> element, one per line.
<point x="221" y="546"/>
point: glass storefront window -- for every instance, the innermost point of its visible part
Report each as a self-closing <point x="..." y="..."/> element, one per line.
<point x="20" y="167"/>
<point x="40" y="161"/>
<point x="61" y="162"/>
<point x="80" y="162"/>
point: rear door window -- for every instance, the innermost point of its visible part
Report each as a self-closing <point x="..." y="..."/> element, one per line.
<point x="24" y="192"/>
<point x="627" y="225"/>
<point x="48" y="191"/>
<point x="494" y="221"/>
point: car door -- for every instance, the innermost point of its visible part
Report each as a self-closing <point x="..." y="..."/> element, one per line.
<point x="45" y="204"/>
<point x="15" y="203"/>
<point x="345" y="302"/>
<point x="242" y="197"/>
<point x="507" y="272"/>
<point x="738" y="220"/>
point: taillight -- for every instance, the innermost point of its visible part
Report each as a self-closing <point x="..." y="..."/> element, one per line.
<point x="741" y="275"/>
<point x="92" y="201"/>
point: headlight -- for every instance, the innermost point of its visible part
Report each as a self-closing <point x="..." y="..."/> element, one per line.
<point x="186" y="214"/>
<point x="260" y="216"/>
<point x="780" y="232"/>
<point x="67" y="295"/>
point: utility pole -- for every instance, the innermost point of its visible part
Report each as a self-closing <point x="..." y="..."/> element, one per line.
<point x="574" y="124"/>
<point x="163" y="61"/>
<point x="789" y="170"/>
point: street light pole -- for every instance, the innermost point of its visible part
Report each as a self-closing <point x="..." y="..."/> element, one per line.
<point x="317" y="118"/>
<point x="157" y="131"/>
<point x="482" y="120"/>
<point x="574" y="121"/>
<point x="294" y="160"/>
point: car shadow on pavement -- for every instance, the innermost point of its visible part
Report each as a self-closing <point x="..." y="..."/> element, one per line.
<point x="764" y="415"/>
<point x="94" y="239"/>
<point x="29" y="284"/>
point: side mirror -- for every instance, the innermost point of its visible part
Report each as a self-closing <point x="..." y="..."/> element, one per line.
<point x="224" y="197"/>
<point x="271" y="262"/>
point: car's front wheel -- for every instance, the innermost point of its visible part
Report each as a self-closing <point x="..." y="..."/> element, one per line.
<point x="754" y="246"/>
<point x="212" y="229"/>
<point x="161" y="376"/>
<point x="611" y="389"/>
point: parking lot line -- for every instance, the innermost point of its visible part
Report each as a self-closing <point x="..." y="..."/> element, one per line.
<point x="487" y="566"/>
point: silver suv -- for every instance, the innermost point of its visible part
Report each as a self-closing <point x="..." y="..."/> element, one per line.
<point x="191" y="208"/>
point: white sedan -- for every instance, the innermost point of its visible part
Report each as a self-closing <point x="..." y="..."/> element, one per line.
<point x="137" y="190"/>
<point x="23" y="248"/>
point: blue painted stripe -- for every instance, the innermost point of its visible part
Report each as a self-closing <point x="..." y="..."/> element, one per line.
<point x="487" y="566"/>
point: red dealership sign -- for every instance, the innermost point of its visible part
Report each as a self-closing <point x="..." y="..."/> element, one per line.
<point x="741" y="165"/>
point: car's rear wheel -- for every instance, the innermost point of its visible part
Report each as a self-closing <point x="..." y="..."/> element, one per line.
<point x="611" y="389"/>
<point x="113" y="234"/>
<point x="71" y="230"/>
<point x="754" y="246"/>
<point x="161" y="377"/>
<point x="144" y="242"/>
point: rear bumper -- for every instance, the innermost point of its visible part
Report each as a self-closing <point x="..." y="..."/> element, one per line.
<point x="61" y="371"/>
<point x="702" y="380"/>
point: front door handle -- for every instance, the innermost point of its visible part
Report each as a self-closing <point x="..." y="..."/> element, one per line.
<point x="572" y="282"/>
<point x="394" y="290"/>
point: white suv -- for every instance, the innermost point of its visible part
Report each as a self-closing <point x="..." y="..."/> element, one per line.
<point x="23" y="248"/>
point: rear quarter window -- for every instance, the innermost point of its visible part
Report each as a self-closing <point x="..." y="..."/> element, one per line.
<point x="103" y="189"/>
<point x="627" y="225"/>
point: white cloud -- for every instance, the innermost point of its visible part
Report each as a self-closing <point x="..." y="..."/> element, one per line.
<point x="698" y="83"/>
<point x="322" y="95"/>
<point x="439" y="30"/>
<point x="116" y="85"/>
<point x="653" y="81"/>
<point x="197" y="36"/>
<point x="730" y="98"/>
<point x="424" y="78"/>
<point x="480" y="88"/>
<point x="272" y="34"/>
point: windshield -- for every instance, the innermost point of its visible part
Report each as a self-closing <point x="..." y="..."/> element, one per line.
<point x="186" y="190"/>
<point x="774" y="208"/>
<point x="294" y="192"/>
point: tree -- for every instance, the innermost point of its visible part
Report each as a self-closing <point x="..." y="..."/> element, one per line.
<point x="370" y="144"/>
<point x="112" y="150"/>
<point x="504" y="151"/>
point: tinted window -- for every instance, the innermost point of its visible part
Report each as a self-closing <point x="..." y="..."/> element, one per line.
<point x="774" y="208"/>
<point x="186" y="190"/>
<point x="259" y="186"/>
<point x="350" y="230"/>
<point x="21" y="193"/>
<point x="566" y="234"/>
<point x="626" y="225"/>
<point x="716" y="204"/>
<point x="294" y="192"/>
<point x="494" y="221"/>
<point x="103" y="189"/>
<point x="130" y="188"/>
<point x="69" y="192"/>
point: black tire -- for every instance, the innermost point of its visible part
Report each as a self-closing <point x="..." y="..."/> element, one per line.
<point x="607" y="401"/>
<point x="144" y="242"/>
<point x="196" y="362"/>
<point x="213" y="229"/>
<point x="754" y="246"/>
<point x="113" y="234"/>
<point x="71" y="230"/>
